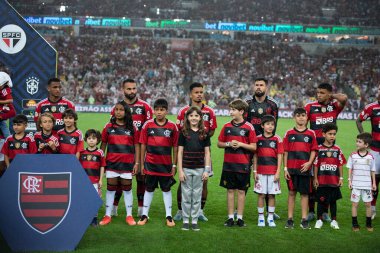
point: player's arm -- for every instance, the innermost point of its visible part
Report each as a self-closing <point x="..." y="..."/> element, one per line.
<point x="279" y="164"/>
<point x="350" y="178"/>
<point x="341" y="98"/>
<point x="181" y="174"/>
<point x="359" y="125"/>
<point x="286" y="173"/>
<point x="211" y="133"/>
<point x="306" y="166"/>
<point x="100" y="183"/>
<point x="207" y="164"/>
<point x="6" y="160"/>
<point x="315" y="180"/>
<point x="254" y="167"/>
<point x="340" y="175"/>
<point x="103" y="147"/>
<point x="77" y="154"/>
<point x="142" y="158"/>
<point x="175" y="158"/>
<point x="373" y="177"/>
<point x="7" y="101"/>
<point x="137" y="159"/>
<point x="237" y="144"/>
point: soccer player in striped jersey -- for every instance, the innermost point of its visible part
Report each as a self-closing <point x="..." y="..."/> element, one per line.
<point x="19" y="142"/>
<point x="372" y="112"/>
<point x="93" y="162"/>
<point x="158" y="139"/>
<point x="361" y="179"/>
<point x="266" y="168"/>
<point x="54" y="104"/>
<point x="300" y="146"/>
<point x="46" y="140"/>
<point x="70" y="137"/>
<point x="238" y="138"/>
<point x="328" y="175"/>
<point x="209" y="120"/>
<point x="120" y="137"/>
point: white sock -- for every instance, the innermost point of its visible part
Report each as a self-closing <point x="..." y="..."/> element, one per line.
<point x="270" y="212"/>
<point x="148" y="197"/>
<point x="373" y="208"/>
<point x="110" y="195"/>
<point x="168" y="202"/>
<point x="230" y="216"/>
<point x="128" y="200"/>
<point x="239" y="216"/>
<point x="260" y="210"/>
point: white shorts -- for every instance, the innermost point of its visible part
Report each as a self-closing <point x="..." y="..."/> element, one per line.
<point x="98" y="190"/>
<point x="113" y="174"/>
<point x="376" y="155"/>
<point x="365" y="194"/>
<point x="267" y="185"/>
<point x="2" y="141"/>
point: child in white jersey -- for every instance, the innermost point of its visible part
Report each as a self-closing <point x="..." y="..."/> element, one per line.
<point x="361" y="178"/>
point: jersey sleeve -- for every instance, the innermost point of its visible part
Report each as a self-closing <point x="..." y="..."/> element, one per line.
<point x="80" y="145"/>
<point x="102" y="160"/>
<point x="221" y="136"/>
<point x="342" y="159"/>
<point x="280" y="146"/>
<point x="213" y="122"/>
<point x="180" y="119"/>
<point x="181" y="140"/>
<point x="373" y="165"/>
<point x="4" y="149"/>
<point x="144" y="134"/>
<point x="175" y="136"/>
<point x="32" y="146"/>
<point x="307" y="109"/>
<point x="8" y="112"/>
<point x="105" y="134"/>
<point x="314" y="143"/>
<point x="285" y="142"/>
<point x="149" y="112"/>
<point x="349" y="162"/>
<point x="365" y="114"/>
<point x="252" y="136"/>
<point x="37" y="112"/>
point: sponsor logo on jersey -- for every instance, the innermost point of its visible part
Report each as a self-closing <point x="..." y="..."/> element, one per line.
<point x="322" y="121"/>
<point x="328" y="167"/>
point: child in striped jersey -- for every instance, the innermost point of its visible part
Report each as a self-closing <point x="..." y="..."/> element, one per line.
<point x="361" y="178"/>
<point x="266" y="168"/>
<point x="46" y="140"/>
<point x="70" y="137"/>
<point x="93" y="162"/>
<point x="328" y="175"/>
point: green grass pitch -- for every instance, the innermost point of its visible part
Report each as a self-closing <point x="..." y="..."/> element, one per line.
<point x="213" y="236"/>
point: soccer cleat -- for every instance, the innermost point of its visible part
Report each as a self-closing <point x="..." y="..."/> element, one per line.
<point x="326" y="217"/>
<point x="240" y="223"/>
<point x="105" y="221"/>
<point x="114" y="211"/>
<point x="369" y="228"/>
<point x="130" y="221"/>
<point x="169" y="221"/>
<point x="195" y="227"/>
<point x="318" y="224"/>
<point x="178" y="216"/>
<point x="334" y="224"/>
<point x="276" y="216"/>
<point x="373" y="214"/>
<point x="355" y="228"/>
<point x="143" y="220"/>
<point x="261" y="222"/>
<point x="305" y="224"/>
<point x="185" y="226"/>
<point x="229" y="222"/>
<point x="202" y="216"/>
<point x="271" y="223"/>
<point x="289" y="224"/>
<point x="310" y="216"/>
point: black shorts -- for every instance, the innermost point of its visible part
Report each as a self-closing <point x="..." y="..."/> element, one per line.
<point x="151" y="182"/>
<point x="301" y="184"/>
<point x="326" y="195"/>
<point x="234" y="180"/>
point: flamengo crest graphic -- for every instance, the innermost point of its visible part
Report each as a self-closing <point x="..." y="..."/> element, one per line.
<point x="44" y="199"/>
<point x="13" y="39"/>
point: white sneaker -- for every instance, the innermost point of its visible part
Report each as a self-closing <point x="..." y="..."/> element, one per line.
<point x="373" y="214"/>
<point x="334" y="224"/>
<point x="261" y="222"/>
<point x="318" y="224"/>
<point x="114" y="211"/>
<point x="271" y="223"/>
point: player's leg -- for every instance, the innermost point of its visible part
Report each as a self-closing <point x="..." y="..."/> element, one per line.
<point x="151" y="185"/>
<point x="165" y="184"/>
<point x="110" y="195"/>
<point x="355" y="198"/>
<point x="271" y="209"/>
<point x="126" y="186"/>
<point x="118" y="194"/>
<point x="178" y="215"/>
<point x="375" y="194"/>
<point x="240" y="207"/>
<point x="197" y="198"/>
<point x="140" y="190"/>
<point x="202" y="216"/>
<point x="230" y="203"/>
<point x="304" y="212"/>
<point x="186" y="189"/>
<point x="260" y="210"/>
<point x="368" y="213"/>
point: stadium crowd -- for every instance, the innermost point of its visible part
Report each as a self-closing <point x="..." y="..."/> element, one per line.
<point x="342" y="12"/>
<point x="93" y="67"/>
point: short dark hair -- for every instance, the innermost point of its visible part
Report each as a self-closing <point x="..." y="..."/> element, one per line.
<point x="365" y="137"/>
<point x="20" y="119"/>
<point x="267" y="118"/>
<point x="239" y="105"/>
<point x="70" y="112"/>
<point x="195" y="85"/>
<point x="328" y="127"/>
<point x="261" y="79"/>
<point x="299" y="110"/>
<point x="325" y="86"/>
<point x="93" y="133"/>
<point x="54" y="80"/>
<point x="129" y="80"/>
<point x="161" y="102"/>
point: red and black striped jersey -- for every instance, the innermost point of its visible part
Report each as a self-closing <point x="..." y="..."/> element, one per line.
<point x="240" y="159"/>
<point x="267" y="150"/>
<point x="209" y="118"/>
<point x="159" y="141"/>
<point x="70" y="143"/>
<point x="91" y="162"/>
<point x="299" y="146"/>
<point x="319" y="115"/>
<point x="40" y="137"/>
<point x="372" y="111"/>
<point x="120" y="147"/>
<point x="14" y="146"/>
<point x="328" y="160"/>
<point x="141" y="112"/>
<point x="6" y="93"/>
<point x="257" y="110"/>
<point x="56" y="108"/>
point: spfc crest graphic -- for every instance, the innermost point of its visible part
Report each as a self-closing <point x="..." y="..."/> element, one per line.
<point x="44" y="199"/>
